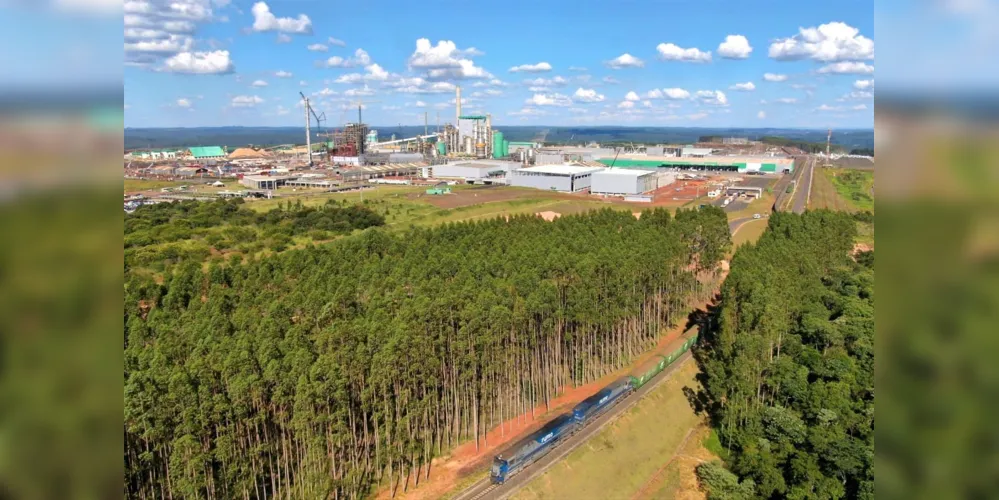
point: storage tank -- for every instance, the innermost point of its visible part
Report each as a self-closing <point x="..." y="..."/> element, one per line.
<point x="498" y="144"/>
<point x="441" y="148"/>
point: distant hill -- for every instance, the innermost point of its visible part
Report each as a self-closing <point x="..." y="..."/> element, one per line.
<point x="234" y="137"/>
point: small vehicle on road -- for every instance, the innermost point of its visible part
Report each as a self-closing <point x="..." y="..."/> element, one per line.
<point x="757" y="216"/>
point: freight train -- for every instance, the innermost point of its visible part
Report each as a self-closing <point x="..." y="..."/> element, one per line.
<point x="537" y="444"/>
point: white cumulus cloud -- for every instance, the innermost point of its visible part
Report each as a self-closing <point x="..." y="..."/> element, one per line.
<point x="264" y="20"/>
<point x="829" y="42"/>
<point x="848" y="68"/>
<point x="445" y="61"/>
<point x="587" y="95"/>
<point x="246" y="101"/>
<point x="863" y="84"/>
<point x="334" y="41"/>
<point x="774" y="77"/>
<point x="761" y="115"/>
<point x="216" y="62"/>
<point x="632" y="96"/>
<point x="735" y="47"/>
<point x="282" y="74"/>
<point x="258" y="83"/>
<point x="654" y="94"/>
<point x="673" y="52"/>
<point x="625" y="61"/>
<point x="318" y="47"/>
<point x="358" y="92"/>
<point x="676" y="94"/>
<point x="786" y="100"/>
<point x="555" y="99"/>
<point x="527" y="111"/>
<point x="744" y="87"/>
<point x="540" y="67"/>
<point x="183" y="103"/>
<point x="361" y="58"/>
<point x="714" y="97"/>
<point x="283" y="38"/>
<point x="626" y="105"/>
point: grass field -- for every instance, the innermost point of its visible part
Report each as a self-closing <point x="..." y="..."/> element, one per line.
<point x="632" y="450"/>
<point x="677" y="480"/>
<point x="403" y="206"/>
<point x="133" y="185"/>
<point x="749" y="232"/>
<point x="840" y="189"/>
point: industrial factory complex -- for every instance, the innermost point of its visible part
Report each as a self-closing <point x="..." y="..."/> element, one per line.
<point x="468" y="151"/>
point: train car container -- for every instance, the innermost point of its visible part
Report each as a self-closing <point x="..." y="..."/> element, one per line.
<point x="647" y="371"/>
<point x="531" y="448"/>
<point x="604" y="398"/>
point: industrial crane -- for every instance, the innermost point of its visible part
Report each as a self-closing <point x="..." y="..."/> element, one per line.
<point x="320" y="118"/>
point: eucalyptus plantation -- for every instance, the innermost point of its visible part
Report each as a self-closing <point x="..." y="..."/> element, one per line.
<point x="322" y="372"/>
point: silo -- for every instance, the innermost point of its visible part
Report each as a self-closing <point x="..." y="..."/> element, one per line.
<point x="498" y="144"/>
<point x="441" y="148"/>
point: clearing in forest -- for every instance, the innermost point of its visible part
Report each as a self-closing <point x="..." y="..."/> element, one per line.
<point x="631" y="451"/>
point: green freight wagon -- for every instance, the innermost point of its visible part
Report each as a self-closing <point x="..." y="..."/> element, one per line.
<point x="648" y="371"/>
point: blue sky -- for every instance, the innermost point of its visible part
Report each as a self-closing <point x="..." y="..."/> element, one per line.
<point x="214" y="63"/>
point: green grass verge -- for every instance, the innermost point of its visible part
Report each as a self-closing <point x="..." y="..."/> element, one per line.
<point x="713" y="444"/>
<point x="132" y="185"/>
<point x="619" y="460"/>
<point x="749" y="232"/>
<point x="855" y="186"/>
<point x="840" y="189"/>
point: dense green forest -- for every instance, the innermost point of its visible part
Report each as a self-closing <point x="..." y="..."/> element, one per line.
<point x="161" y="235"/>
<point x="324" y="371"/>
<point x="789" y="365"/>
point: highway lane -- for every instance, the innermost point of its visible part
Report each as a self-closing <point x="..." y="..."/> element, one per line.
<point x="800" y="199"/>
<point x="484" y="490"/>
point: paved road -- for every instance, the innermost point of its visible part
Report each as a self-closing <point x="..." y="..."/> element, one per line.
<point x="484" y="490"/>
<point x="734" y="225"/>
<point x="800" y="201"/>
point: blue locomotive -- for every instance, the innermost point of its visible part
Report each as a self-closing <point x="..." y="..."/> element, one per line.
<point x="603" y="399"/>
<point x="531" y="448"/>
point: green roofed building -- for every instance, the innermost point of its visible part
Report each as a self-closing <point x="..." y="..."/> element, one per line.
<point x="207" y="152"/>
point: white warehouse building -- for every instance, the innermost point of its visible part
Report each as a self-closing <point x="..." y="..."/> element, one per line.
<point x="566" y="178"/>
<point x="474" y="170"/>
<point x="624" y="181"/>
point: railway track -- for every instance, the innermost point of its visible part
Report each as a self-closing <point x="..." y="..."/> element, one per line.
<point x="484" y="489"/>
